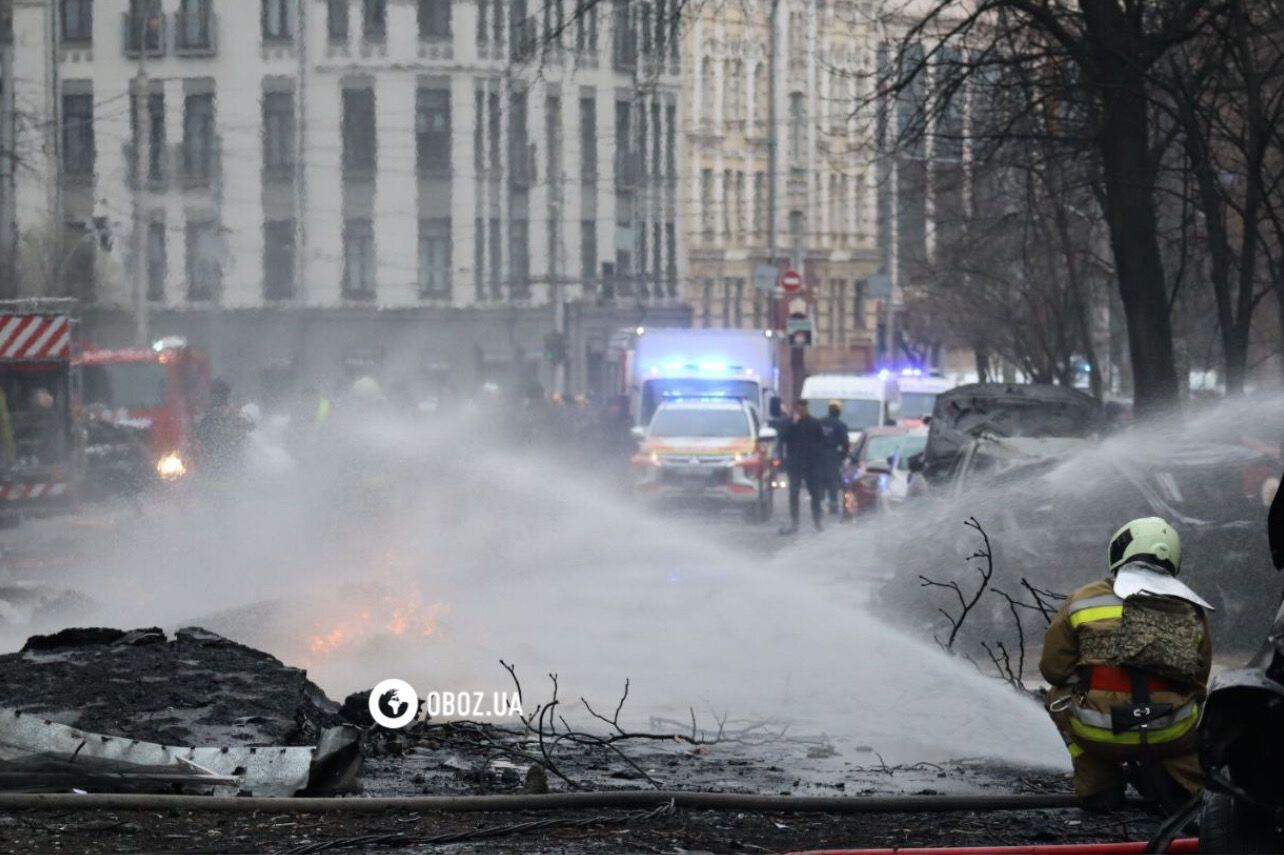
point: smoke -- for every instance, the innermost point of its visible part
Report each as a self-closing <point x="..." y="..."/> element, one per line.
<point x="427" y="551"/>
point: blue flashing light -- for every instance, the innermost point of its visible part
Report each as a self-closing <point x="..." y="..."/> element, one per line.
<point x="911" y="372"/>
<point x="673" y="366"/>
<point x="883" y="374"/>
<point x="714" y="367"/>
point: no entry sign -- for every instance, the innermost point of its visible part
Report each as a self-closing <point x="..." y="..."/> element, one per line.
<point x="790" y="282"/>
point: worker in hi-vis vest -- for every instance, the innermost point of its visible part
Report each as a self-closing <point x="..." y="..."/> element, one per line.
<point x="1128" y="659"/>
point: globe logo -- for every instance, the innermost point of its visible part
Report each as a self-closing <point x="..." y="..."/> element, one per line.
<point x="393" y="703"/>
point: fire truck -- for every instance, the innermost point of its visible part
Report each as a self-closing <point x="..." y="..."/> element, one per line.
<point x="160" y="390"/>
<point x="41" y="443"/>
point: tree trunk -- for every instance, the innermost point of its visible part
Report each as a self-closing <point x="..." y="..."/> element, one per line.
<point x="1129" y="176"/>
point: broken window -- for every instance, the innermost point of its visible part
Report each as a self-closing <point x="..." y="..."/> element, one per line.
<point x="358" y="130"/>
<point x="157" y="261"/>
<point x="432" y="130"/>
<point x="278" y="132"/>
<point x="337" y="20"/>
<point x="78" y="134"/>
<point x="374" y="20"/>
<point x="204" y="261"/>
<point x="78" y="22"/>
<point x="434" y="19"/>
<point x="276" y="20"/>
<point x="278" y="259"/>
<point x="358" y="259"/>
<point x="434" y="257"/>
<point x="198" y="137"/>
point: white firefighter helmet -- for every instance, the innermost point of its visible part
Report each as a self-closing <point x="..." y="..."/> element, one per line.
<point x="1151" y="539"/>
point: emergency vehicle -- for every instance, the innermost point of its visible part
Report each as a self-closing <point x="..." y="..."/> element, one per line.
<point x="161" y="390"/>
<point x="918" y="394"/>
<point x="867" y="401"/>
<point x="713" y="451"/>
<point x="655" y="365"/>
<point x="41" y="445"/>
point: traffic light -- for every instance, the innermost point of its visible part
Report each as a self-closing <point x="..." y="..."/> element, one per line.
<point x="555" y="347"/>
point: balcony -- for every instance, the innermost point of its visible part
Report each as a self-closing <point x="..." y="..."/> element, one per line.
<point x="195" y="35"/>
<point x="521" y="165"/>
<point x="157" y="173"/>
<point x="131" y="34"/>
<point x="199" y="166"/>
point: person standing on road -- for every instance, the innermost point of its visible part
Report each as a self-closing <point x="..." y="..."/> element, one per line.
<point x="802" y="444"/>
<point x="1128" y="658"/>
<point x="837" y="446"/>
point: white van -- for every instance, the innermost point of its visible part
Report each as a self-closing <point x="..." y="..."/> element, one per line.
<point x="868" y="400"/>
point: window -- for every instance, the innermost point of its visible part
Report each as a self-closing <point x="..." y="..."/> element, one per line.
<point x="523" y="40"/>
<point x="358" y="259"/>
<point x="708" y="91"/>
<point x="490" y="22"/>
<point x="761" y="97"/>
<point x="706" y="203"/>
<point x="358" y="130"/>
<point x="479" y="131"/>
<point x="706" y="303"/>
<point x="78" y="134"/>
<point x="553" y="22"/>
<point x="155" y="136"/>
<point x="759" y="202"/>
<point x="278" y="132"/>
<point x="858" y="306"/>
<point x="492" y="126"/>
<point x="337" y="20"/>
<point x="434" y="19"/>
<point x="727" y="202"/>
<point x="588" y="140"/>
<point x="195" y="20"/>
<point x="198" y="137"/>
<point x="671" y="140"/>
<point x="586" y="29"/>
<point x="374" y="20"/>
<point x="276" y="20"/>
<point x="78" y="22"/>
<point x="737" y="297"/>
<point x="671" y="257"/>
<point x="588" y="251"/>
<point x="496" y="257"/>
<point x="278" y="259"/>
<point x="797" y="127"/>
<point x="519" y="258"/>
<point x="479" y="258"/>
<point x="204" y="264"/>
<point x="735" y="92"/>
<point x="553" y="134"/>
<point x="624" y="47"/>
<point x="157" y="261"/>
<point x="738" y="201"/>
<point x="432" y="130"/>
<point x="144" y="17"/>
<point x="434" y="258"/>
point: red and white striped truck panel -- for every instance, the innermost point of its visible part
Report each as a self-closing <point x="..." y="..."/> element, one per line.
<point x="30" y="492"/>
<point x="35" y="337"/>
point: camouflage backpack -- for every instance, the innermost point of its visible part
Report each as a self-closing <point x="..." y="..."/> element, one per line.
<point x="1160" y="636"/>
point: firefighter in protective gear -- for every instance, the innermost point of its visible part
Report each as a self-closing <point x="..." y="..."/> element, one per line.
<point x="1128" y="659"/>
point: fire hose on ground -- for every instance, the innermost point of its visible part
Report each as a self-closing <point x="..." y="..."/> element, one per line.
<point x="618" y="799"/>
<point x="657" y="801"/>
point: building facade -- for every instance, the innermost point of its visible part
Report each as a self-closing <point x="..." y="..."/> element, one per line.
<point x="488" y="171"/>
<point x="817" y="195"/>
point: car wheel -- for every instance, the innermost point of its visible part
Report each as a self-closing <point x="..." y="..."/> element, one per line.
<point x="1227" y="826"/>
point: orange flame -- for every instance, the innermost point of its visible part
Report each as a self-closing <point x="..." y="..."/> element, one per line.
<point x="406" y="616"/>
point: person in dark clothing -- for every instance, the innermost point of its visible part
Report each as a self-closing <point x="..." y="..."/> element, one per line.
<point x="802" y="444"/>
<point x="837" y="447"/>
<point x="221" y="434"/>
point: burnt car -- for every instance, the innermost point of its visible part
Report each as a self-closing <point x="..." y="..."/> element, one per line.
<point x="966" y="414"/>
